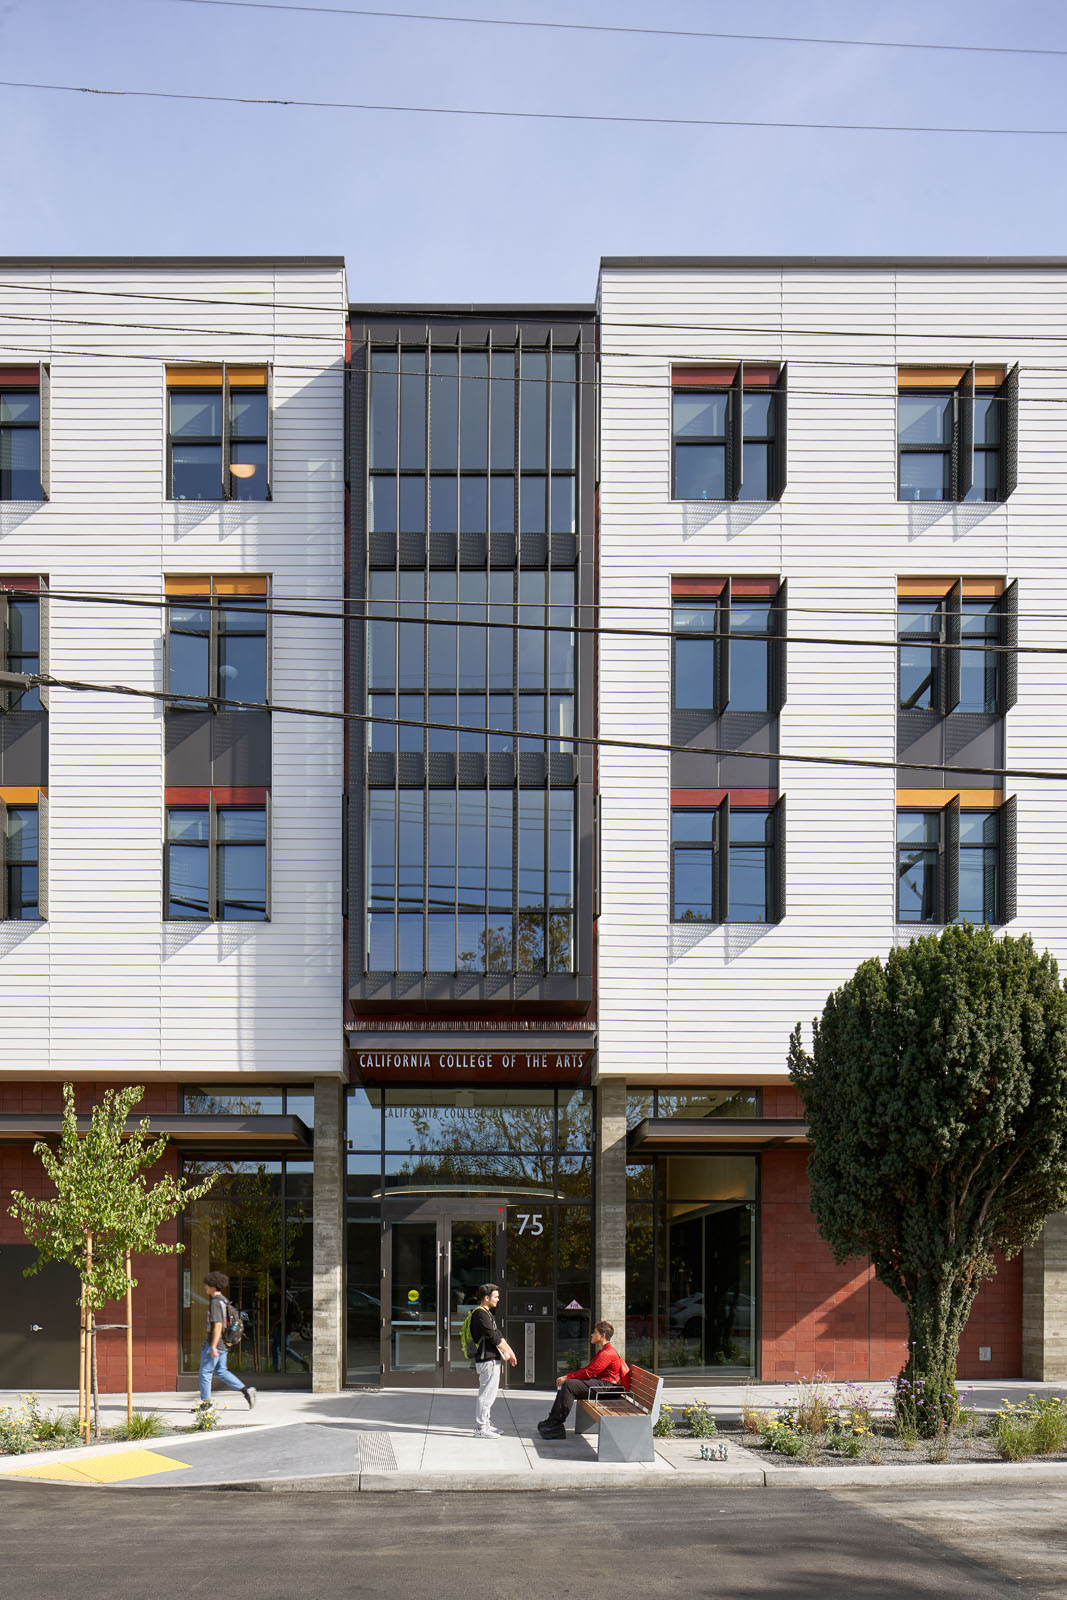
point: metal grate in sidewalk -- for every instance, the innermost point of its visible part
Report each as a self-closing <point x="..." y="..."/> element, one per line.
<point x="376" y="1453"/>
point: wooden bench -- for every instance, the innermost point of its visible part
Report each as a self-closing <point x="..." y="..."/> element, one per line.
<point x="624" y="1427"/>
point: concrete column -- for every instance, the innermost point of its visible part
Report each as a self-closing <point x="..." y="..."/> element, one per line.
<point x="1045" y="1304"/>
<point x="328" y="1344"/>
<point x="609" y="1303"/>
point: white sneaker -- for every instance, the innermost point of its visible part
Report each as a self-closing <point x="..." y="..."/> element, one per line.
<point x="488" y="1433"/>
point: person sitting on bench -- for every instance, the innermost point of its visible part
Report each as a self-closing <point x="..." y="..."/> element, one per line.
<point x="607" y="1370"/>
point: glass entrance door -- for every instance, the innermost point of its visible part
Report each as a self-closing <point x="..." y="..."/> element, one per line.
<point x="435" y="1255"/>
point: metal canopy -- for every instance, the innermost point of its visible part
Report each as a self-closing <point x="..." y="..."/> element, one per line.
<point x="195" y="1133"/>
<point x="675" y="1134"/>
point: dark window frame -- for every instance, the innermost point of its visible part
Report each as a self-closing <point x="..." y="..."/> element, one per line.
<point x="948" y="641"/>
<point x="214" y="845"/>
<point x="215" y="603"/>
<point x="734" y="437"/>
<point x="21" y="382"/>
<point x="8" y="868"/>
<point x="722" y="636"/>
<point x="949" y="852"/>
<point x="721" y="846"/>
<point x="226" y="439"/>
<point x="961" y="450"/>
<point x="483" y="475"/>
<point x="12" y="596"/>
<point x="547" y="914"/>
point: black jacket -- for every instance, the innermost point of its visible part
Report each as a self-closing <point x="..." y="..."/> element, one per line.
<point x="485" y="1335"/>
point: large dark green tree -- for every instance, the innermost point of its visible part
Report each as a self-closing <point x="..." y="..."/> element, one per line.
<point x="936" y="1098"/>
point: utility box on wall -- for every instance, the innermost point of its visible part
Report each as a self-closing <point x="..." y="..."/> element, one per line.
<point x="530" y="1329"/>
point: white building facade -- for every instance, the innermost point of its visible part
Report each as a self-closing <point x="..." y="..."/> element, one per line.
<point x="172" y="521"/>
<point x="871" y="458"/>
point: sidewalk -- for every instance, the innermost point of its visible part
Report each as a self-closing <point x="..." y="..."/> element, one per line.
<point x="403" y="1439"/>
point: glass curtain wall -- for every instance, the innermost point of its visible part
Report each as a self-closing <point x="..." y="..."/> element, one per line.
<point x="470" y="660"/>
<point x="691" y="1247"/>
<point x="530" y="1149"/>
<point x="254" y="1224"/>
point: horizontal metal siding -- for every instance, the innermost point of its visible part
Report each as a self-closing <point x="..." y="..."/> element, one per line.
<point x="721" y="1001"/>
<point x="106" y="987"/>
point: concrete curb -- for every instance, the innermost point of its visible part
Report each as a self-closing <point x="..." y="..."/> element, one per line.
<point x="713" y="1475"/>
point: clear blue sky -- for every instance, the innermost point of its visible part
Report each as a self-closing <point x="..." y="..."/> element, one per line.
<point x="440" y="208"/>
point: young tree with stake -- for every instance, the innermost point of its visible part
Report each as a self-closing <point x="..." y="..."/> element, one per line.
<point x="104" y="1212"/>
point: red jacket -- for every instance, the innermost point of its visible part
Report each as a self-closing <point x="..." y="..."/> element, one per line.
<point x="607" y="1365"/>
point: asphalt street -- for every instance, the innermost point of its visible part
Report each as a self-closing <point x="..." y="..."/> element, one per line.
<point x="68" y="1543"/>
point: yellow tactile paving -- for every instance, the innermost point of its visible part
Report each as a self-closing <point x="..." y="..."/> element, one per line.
<point x="97" y="1469"/>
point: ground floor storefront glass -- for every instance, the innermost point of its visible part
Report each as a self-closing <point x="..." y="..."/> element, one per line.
<point x="254" y="1224"/>
<point x="691" y="1265"/>
<point x="448" y="1188"/>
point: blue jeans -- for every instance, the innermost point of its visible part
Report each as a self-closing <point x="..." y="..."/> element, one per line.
<point x="214" y="1366"/>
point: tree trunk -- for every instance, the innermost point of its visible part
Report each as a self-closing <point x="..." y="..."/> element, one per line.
<point x="88" y="1363"/>
<point x="96" y="1379"/>
<point x="926" y="1398"/>
<point x="129" y="1341"/>
<point x="82" y="1343"/>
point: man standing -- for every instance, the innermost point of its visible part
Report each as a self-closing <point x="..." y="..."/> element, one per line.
<point x="607" y="1369"/>
<point x="490" y="1348"/>
<point x="213" y="1355"/>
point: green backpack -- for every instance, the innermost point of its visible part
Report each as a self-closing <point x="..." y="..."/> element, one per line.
<point x="467" y="1341"/>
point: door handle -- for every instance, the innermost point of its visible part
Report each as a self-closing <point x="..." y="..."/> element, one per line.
<point x="35" y="1327"/>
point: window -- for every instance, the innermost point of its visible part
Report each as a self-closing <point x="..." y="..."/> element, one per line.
<point x="956" y="863"/>
<point x="219" y="425"/>
<point x="467" y="441"/>
<point x="957" y="650"/>
<point x="728" y="432"/>
<point x="729" y="647"/>
<point x="20" y="639"/>
<point x="217" y="638"/>
<point x="956" y="433"/>
<point x="23" y="879"/>
<point x="727" y="863"/>
<point x="217" y="863"/>
<point x="447" y="891"/>
<point x="23" y="409"/>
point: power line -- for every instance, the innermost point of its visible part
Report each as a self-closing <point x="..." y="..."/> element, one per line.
<point x="36" y="353"/>
<point x="367" y="614"/>
<point x="115" y="597"/>
<point x="659" y="386"/>
<point x="526" y="315"/>
<point x="519" y="736"/>
<point x="662" y="33"/>
<point x="509" y="114"/>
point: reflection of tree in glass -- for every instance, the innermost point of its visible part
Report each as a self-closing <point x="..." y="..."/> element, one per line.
<point x="250" y="1229"/>
<point x="494" y="952"/>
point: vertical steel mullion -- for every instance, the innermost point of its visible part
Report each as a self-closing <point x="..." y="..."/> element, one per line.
<point x="212" y="861"/>
<point x="515" y="753"/>
<point x="486" y="635"/>
<point x="213" y="644"/>
<point x="396" y="669"/>
<point x="367" y="618"/>
<point x="224" y="437"/>
<point x="545" y="705"/>
<point x="457" y="624"/>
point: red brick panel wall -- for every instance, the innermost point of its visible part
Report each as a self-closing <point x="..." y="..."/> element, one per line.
<point x="817" y="1316"/>
<point x="155" y="1300"/>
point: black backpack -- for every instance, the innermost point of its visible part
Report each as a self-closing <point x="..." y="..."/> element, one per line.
<point x="233" y="1327"/>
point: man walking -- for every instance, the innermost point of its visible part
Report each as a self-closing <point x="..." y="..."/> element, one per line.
<point x="606" y="1370"/>
<point x="213" y="1355"/>
<point x="490" y="1348"/>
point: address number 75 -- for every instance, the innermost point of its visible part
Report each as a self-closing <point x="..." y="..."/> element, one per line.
<point x="530" y="1220"/>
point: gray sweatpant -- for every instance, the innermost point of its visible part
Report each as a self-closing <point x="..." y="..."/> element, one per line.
<point x="488" y="1384"/>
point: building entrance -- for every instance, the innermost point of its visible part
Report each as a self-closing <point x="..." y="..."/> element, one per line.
<point x="435" y="1254"/>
